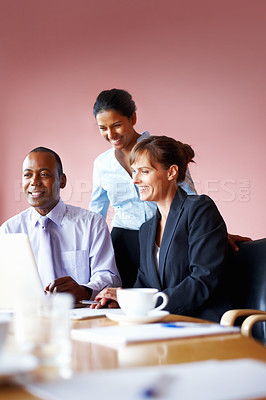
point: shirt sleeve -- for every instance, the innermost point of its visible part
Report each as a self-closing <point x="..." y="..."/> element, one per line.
<point x="3" y="228"/>
<point x="99" y="199"/>
<point x="7" y="227"/>
<point x="188" y="184"/>
<point x="103" y="268"/>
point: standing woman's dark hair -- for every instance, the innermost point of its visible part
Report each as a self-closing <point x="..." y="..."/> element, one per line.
<point x="115" y="99"/>
<point x="165" y="151"/>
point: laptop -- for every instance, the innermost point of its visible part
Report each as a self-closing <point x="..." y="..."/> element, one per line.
<point x="18" y="270"/>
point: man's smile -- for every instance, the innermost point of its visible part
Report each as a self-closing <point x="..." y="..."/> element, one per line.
<point x="36" y="194"/>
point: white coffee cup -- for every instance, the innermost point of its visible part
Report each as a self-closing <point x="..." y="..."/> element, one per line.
<point x="140" y="301"/>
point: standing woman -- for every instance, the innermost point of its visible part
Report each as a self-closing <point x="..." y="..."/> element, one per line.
<point x="115" y="113"/>
<point x="183" y="247"/>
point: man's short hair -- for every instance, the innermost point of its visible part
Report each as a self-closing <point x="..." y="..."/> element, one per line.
<point x="46" y="150"/>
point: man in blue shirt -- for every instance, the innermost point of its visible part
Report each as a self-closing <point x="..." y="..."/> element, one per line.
<point x="83" y="260"/>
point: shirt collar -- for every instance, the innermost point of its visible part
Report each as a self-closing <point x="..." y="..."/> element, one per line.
<point x="144" y="135"/>
<point x="114" y="161"/>
<point x="56" y="214"/>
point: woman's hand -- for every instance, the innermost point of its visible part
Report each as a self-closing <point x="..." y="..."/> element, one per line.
<point x="107" y="298"/>
<point x="232" y="239"/>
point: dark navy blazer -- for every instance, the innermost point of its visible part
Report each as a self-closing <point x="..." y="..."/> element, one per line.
<point x="192" y="257"/>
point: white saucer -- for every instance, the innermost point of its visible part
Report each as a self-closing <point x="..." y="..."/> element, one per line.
<point x="12" y="365"/>
<point x="123" y="318"/>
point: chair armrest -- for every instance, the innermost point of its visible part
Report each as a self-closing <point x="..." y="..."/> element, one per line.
<point x="229" y="317"/>
<point x="246" y="327"/>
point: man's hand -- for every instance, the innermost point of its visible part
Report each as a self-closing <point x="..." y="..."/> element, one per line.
<point x="232" y="239"/>
<point x="69" y="285"/>
<point x="107" y="297"/>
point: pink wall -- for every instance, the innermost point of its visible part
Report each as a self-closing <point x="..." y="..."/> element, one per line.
<point x="196" y="69"/>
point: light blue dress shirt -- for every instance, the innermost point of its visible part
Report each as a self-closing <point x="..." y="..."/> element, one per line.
<point x="113" y="185"/>
<point x="81" y="244"/>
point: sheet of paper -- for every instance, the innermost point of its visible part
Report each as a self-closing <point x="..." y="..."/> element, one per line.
<point x="206" y="380"/>
<point x="122" y="335"/>
<point x="87" y="312"/>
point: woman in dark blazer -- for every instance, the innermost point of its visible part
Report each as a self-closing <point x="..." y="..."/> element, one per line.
<point x="183" y="247"/>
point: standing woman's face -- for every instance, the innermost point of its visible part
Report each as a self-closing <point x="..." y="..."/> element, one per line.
<point x="117" y="129"/>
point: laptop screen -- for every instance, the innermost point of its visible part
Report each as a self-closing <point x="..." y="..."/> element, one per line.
<point x="18" y="271"/>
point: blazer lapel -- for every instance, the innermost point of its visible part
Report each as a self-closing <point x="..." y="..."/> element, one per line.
<point x="152" y="270"/>
<point x="173" y="218"/>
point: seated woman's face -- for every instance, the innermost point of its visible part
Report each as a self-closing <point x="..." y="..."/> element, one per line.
<point x="151" y="179"/>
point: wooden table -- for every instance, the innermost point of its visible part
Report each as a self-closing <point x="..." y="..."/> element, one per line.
<point x="89" y="357"/>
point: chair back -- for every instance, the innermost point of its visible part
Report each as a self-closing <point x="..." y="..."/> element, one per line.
<point x="247" y="271"/>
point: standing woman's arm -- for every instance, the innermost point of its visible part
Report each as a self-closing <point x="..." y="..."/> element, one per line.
<point x="99" y="199"/>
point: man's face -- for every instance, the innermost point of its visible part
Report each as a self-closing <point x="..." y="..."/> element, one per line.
<point x="41" y="181"/>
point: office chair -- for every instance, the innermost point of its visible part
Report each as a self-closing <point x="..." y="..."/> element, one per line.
<point x="247" y="282"/>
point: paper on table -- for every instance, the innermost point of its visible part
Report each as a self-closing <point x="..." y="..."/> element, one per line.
<point x="121" y="335"/>
<point x="87" y="312"/>
<point x="205" y="380"/>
